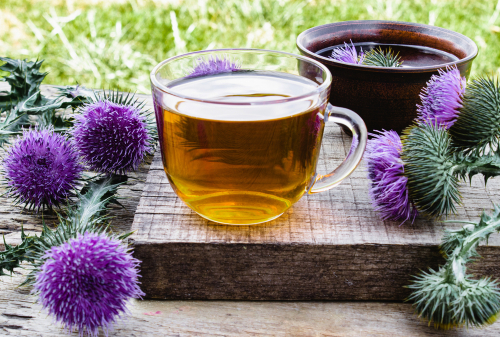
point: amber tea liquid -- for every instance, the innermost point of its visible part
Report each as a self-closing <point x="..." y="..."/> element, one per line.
<point x="241" y="164"/>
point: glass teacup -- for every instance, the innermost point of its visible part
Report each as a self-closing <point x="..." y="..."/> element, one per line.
<point x="240" y="131"/>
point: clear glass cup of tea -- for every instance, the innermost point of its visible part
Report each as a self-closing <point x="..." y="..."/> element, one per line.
<point x="240" y="131"/>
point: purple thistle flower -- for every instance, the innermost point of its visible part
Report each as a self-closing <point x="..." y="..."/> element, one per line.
<point x="388" y="190"/>
<point x="41" y="168"/>
<point x="213" y="65"/>
<point x="348" y="54"/>
<point x="86" y="282"/>
<point x="111" y="137"/>
<point x="441" y="98"/>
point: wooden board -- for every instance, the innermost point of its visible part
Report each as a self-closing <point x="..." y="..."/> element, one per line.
<point x="21" y="316"/>
<point x="328" y="246"/>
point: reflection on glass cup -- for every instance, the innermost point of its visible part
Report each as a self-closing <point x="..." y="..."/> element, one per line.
<point x="240" y="131"/>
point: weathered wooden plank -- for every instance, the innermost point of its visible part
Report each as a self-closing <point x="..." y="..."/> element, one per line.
<point x="20" y="316"/>
<point x="330" y="245"/>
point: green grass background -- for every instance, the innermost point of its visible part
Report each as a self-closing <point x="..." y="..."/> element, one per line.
<point x="115" y="43"/>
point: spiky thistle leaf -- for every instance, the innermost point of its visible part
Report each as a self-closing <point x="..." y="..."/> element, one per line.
<point x="25" y="98"/>
<point x="86" y="216"/>
<point x="478" y="125"/>
<point x="470" y="235"/>
<point x="451" y="298"/>
<point x="429" y="166"/>
<point x="94" y="198"/>
<point x="379" y="57"/>
<point x="12" y="257"/>
<point x="24" y="79"/>
<point x="468" y="165"/>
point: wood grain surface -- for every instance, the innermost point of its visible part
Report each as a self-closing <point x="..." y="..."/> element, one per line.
<point x="328" y="246"/>
<point x="21" y="316"/>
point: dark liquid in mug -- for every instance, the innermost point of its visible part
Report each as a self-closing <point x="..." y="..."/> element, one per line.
<point x="412" y="56"/>
<point x="241" y="164"/>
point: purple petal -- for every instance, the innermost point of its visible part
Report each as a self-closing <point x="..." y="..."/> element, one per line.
<point x="388" y="190"/>
<point x="111" y="138"/>
<point x="348" y="54"/>
<point x="42" y="168"/>
<point x="86" y="283"/>
<point x="214" y="65"/>
<point x="441" y="98"/>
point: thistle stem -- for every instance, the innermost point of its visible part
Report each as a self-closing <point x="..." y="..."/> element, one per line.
<point x="458" y="259"/>
<point x="464" y="169"/>
<point x="473" y="239"/>
<point x="451" y="298"/>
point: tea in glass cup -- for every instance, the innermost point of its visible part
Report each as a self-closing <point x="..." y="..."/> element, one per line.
<point x="240" y="143"/>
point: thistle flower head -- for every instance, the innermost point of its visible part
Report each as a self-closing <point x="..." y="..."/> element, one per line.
<point x="428" y="159"/>
<point x="442" y="98"/>
<point x="214" y="65"/>
<point x="448" y="304"/>
<point x="111" y="134"/>
<point x="388" y="190"/>
<point x="86" y="282"/>
<point x="41" y="168"/>
<point x="433" y="297"/>
<point x="477" y="128"/>
<point x="478" y="304"/>
<point x="379" y="57"/>
<point x="449" y="297"/>
<point x="348" y="54"/>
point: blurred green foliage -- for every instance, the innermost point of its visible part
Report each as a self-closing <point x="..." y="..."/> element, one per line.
<point x="116" y="43"/>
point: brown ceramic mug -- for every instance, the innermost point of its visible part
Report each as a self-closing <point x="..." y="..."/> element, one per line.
<point x="385" y="98"/>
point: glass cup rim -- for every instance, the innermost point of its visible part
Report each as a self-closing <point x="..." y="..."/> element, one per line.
<point x="323" y="86"/>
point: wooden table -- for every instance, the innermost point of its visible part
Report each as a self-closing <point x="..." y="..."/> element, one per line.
<point x="20" y="316"/>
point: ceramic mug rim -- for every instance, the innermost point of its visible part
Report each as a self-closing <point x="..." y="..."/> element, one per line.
<point x="332" y="62"/>
<point x="318" y="90"/>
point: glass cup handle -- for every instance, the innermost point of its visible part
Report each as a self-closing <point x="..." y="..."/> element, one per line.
<point x="357" y="126"/>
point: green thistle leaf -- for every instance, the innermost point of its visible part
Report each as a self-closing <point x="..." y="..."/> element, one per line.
<point x="25" y="99"/>
<point x="449" y="297"/>
<point x="87" y="216"/>
<point x="478" y="125"/>
<point x="429" y="166"/>
<point x="469" y="165"/>
<point x="13" y="256"/>
<point x="379" y="58"/>
<point x="24" y="79"/>
<point x="462" y="243"/>
<point x="78" y="94"/>
<point x="94" y="197"/>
